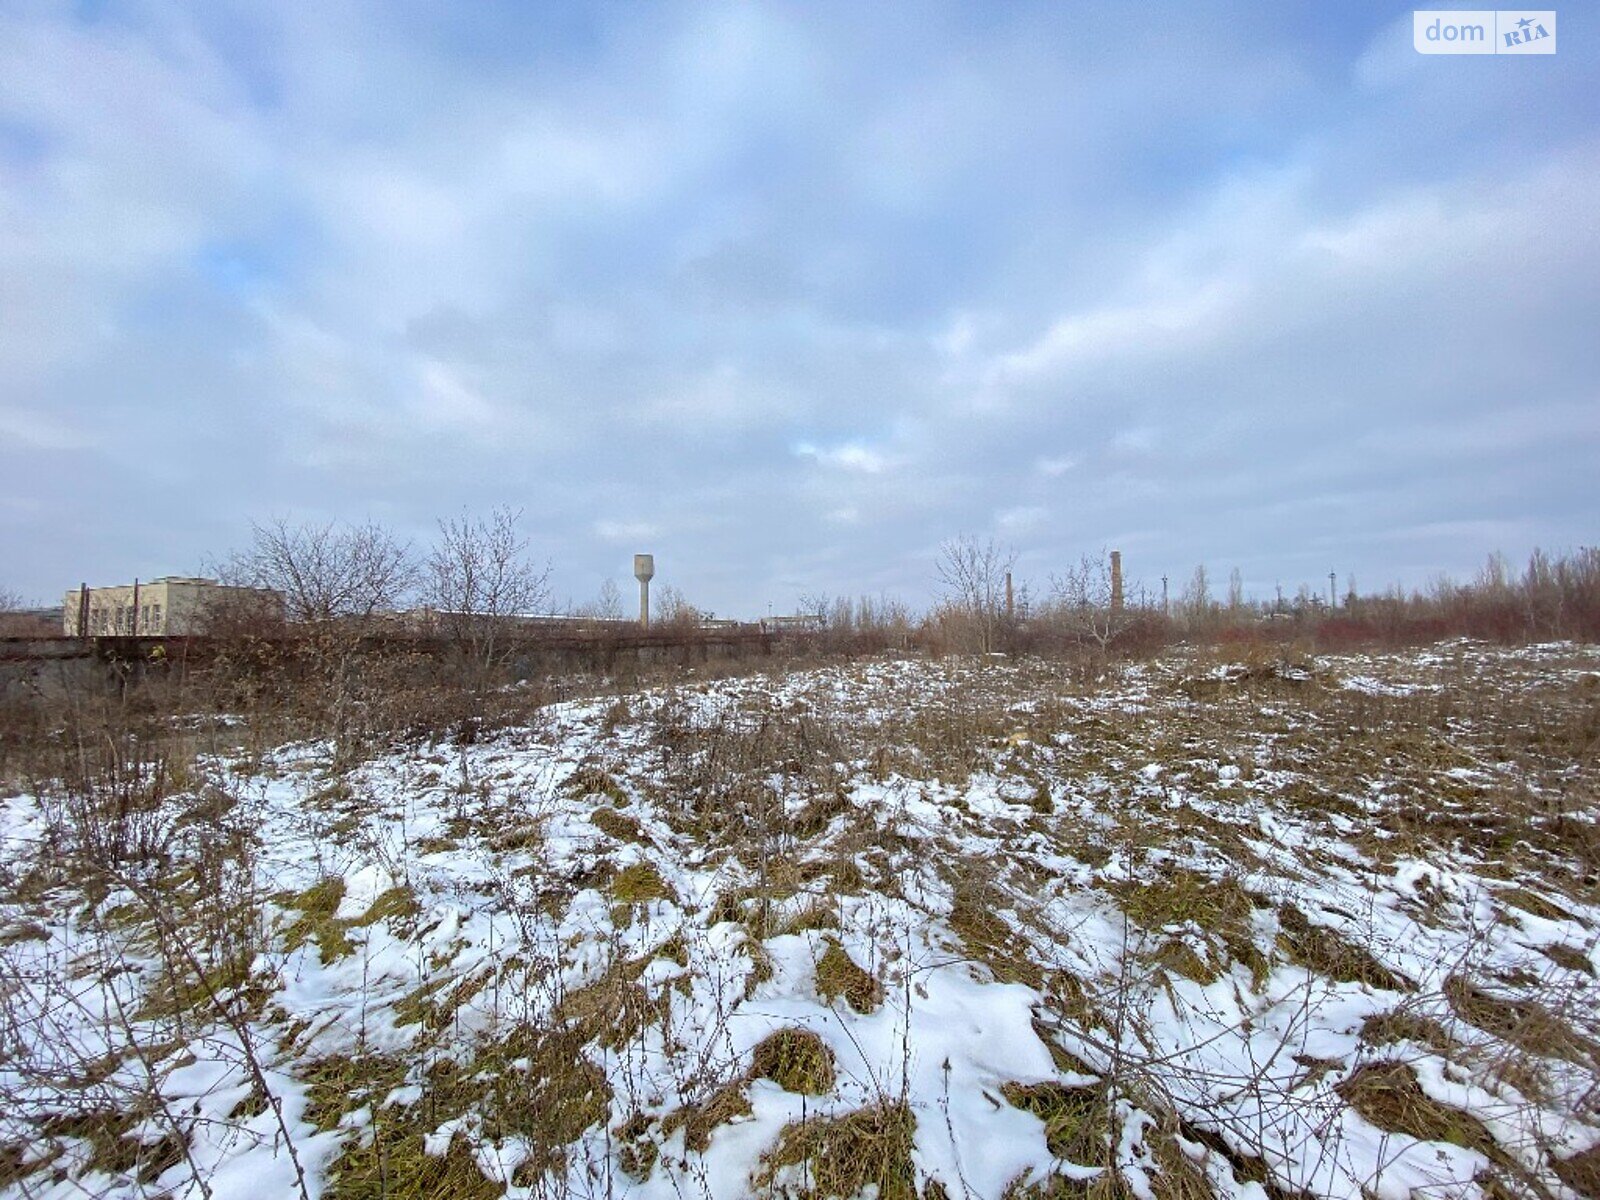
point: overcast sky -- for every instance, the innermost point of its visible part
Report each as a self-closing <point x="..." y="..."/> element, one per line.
<point x="790" y="293"/>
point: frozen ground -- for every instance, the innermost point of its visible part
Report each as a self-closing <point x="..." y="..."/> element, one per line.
<point x="897" y="928"/>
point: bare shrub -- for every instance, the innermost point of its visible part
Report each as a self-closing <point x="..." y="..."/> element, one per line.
<point x="325" y="572"/>
<point x="971" y="576"/>
<point x="479" y="582"/>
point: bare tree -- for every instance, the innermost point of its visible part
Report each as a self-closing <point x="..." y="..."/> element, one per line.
<point x="1197" y="602"/>
<point x="11" y="624"/>
<point x="972" y="580"/>
<point x="326" y="572"/>
<point x="606" y="606"/>
<point x="479" y="579"/>
<point x="1081" y="602"/>
<point x="672" y="609"/>
<point x="818" y="606"/>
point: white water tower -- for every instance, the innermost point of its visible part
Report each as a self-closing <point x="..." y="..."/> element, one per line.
<point x="644" y="570"/>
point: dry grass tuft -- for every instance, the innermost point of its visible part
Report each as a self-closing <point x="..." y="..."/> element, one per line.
<point x="1222" y="908"/>
<point x="797" y="1060"/>
<point x="393" y="1161"/>
<point x="1330" y="953"/>
<point x="593" y="780"/>
<point x="551" y="1103"/>
<point x="1388" y="1096"/>
<point x="112" y="1148"/>
<point x="316" y="922"/>
<point x="1570" y="959"/>
<point x="818" y="914"/>
<point x="1387" y="1029"/>
<point x="1581" y="1172"/>
<point x="975" y="918"/>
<point x="1179" y="1176"/>
<point x="1077" y="1120"/>
<point x="839" y="975"/>
<point x="699" y="1121"/>
<point x="397" y="1167"/>
<point x="840" y="1157"/>
<point x="640" y="884"/>
<point x="616" y="825"/>
<point x="398" y="904"/>
<point x="1525" y="1024"/>
<point x="1531" y="902"/>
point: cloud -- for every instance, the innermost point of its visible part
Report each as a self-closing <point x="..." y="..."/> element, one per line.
<point x="444" y="402"/>
<point x="1053" y="468"/>
<point x="1024" y="518"/>
<point x="813" y="295"/>
<point x="37" y="431"/>
<point x="847" y="456"/>
<point x="625" y="531"/>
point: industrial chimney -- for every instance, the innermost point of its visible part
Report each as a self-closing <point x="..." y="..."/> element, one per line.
<point x="1116" y="581"/>
<point x="644" y="570"/>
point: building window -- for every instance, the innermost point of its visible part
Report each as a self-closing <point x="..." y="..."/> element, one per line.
<point x="155" y="618"/>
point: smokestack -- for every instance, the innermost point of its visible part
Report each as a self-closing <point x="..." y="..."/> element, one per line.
<point x="1116" y="581"/>
<point x="1011" y="604"/>
<point x="644" y="570"/>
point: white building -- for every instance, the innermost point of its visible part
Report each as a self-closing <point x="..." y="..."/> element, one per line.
<point x="171" y="606"/>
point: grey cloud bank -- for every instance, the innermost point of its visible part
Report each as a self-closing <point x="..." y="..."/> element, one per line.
<point x="789" y="294"/>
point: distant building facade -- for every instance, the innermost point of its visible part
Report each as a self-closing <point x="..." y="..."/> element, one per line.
<point x="31" y="623"/>
<point x="800" y="623"/>
<point x="172" y="606"/>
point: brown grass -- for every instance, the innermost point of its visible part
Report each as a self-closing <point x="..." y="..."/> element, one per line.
<point x="838" y="975"/>
<point x="1581" y="1172"/>
<point x="1077" y="1120"/>
<point x="797" y="1060"/>
<point x="640" y="884"/>
<point x="1330" y="953"/>
<point x="699" y="1121"/>
<point x="1388" y="1096"/>
<point x="1388" y="1028"/>
<point x="1525" y="1024"/>
<point x="838" y="1157"/>
<point x="619" y="826"/>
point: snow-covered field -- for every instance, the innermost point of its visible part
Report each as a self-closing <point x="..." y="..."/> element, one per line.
<point x="891" y="928"/>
